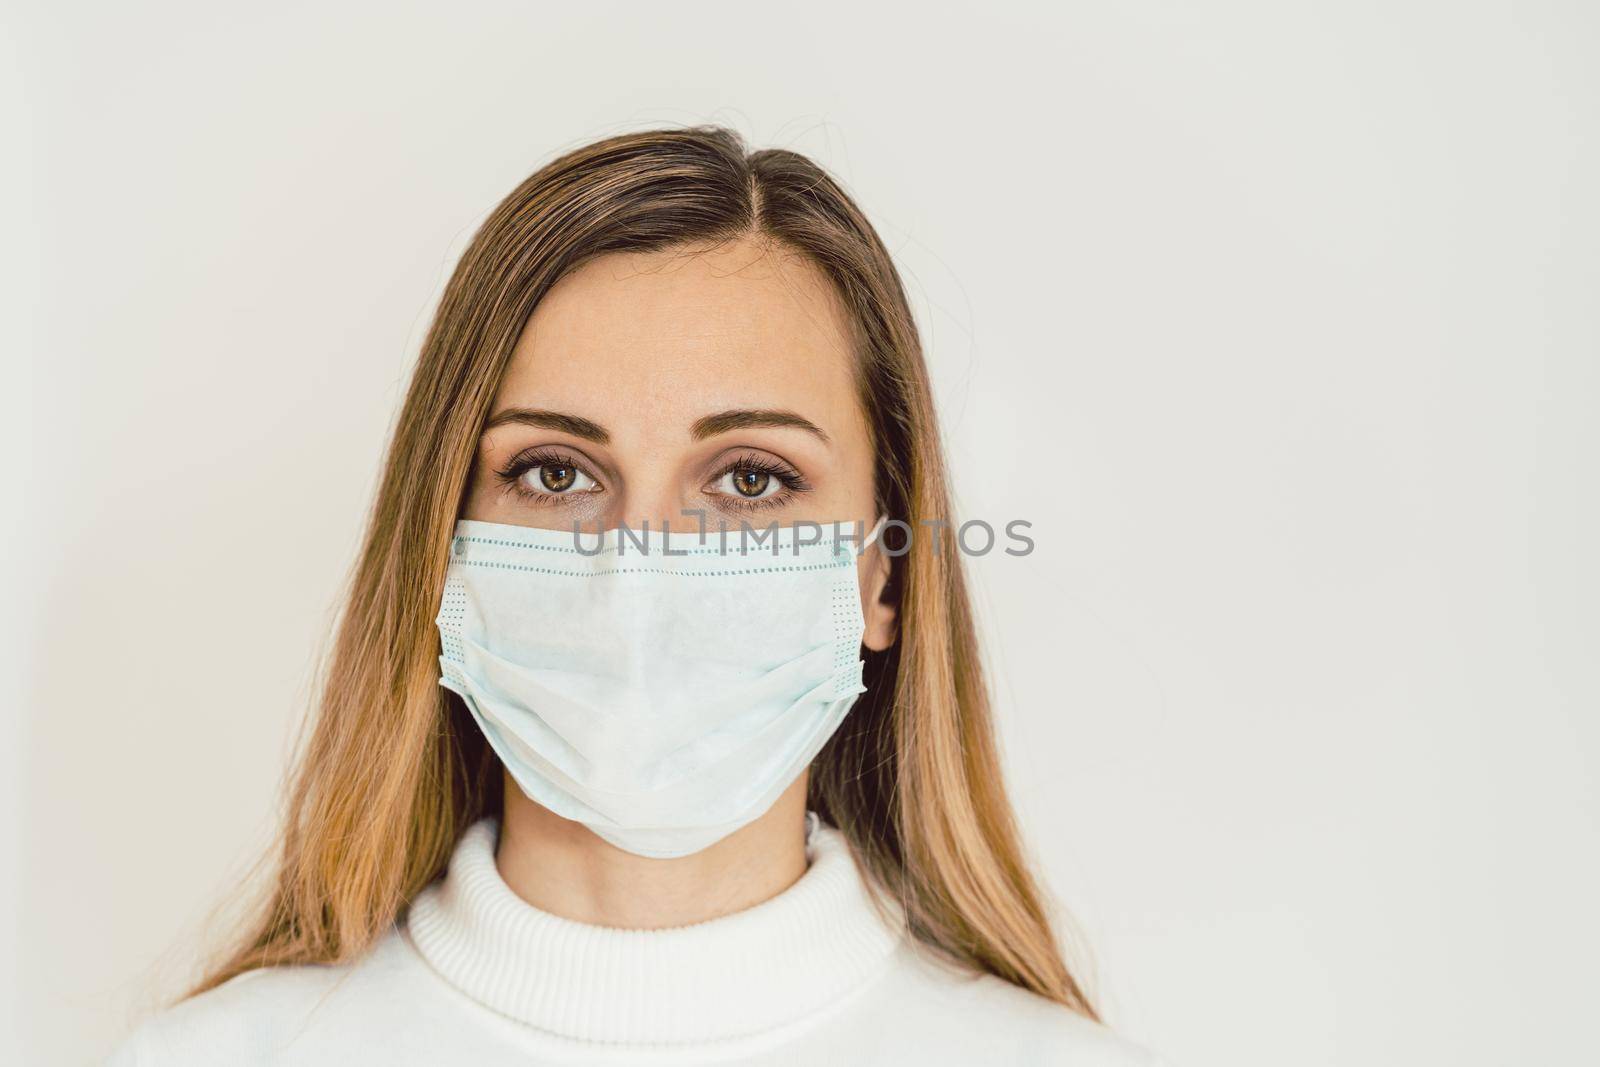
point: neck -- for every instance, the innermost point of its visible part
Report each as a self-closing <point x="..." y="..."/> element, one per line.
<point x="562" y="868"/>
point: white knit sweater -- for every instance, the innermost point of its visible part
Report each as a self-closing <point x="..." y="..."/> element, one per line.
<point x="477" y="976"/>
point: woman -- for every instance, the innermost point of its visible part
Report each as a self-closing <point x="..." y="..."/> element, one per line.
<point x="654" y="795"/>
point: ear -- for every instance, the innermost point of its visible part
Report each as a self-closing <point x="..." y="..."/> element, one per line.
<point x="878" y="599"/>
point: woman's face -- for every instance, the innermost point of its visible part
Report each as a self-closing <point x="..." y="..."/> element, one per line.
<point x="717" y="382"/>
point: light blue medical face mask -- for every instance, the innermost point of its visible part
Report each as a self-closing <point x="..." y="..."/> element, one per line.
<point x="665" y="690"/>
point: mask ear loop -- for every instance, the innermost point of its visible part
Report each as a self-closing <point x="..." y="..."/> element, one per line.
<point x="858" y="549"/>
<point x="877" y="529"/>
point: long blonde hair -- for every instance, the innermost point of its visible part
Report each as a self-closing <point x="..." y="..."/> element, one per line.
<point x="394" y="769"/>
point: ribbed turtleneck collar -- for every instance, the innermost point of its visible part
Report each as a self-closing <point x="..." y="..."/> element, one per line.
<point x="740" y="974"/>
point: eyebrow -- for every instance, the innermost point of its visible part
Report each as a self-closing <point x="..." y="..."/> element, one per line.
<point x="750" y="418"/>
<point x="550" y="420"/>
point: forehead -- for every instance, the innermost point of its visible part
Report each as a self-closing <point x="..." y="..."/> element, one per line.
<point x="648" y="341"/>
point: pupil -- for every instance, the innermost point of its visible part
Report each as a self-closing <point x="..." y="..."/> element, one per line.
<point x="752" y="483"/>
<point x="557" y="479"/>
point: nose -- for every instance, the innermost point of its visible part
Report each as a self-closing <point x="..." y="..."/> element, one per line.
<point x="660" y="501"/>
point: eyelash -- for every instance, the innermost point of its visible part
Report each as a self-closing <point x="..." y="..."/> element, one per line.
<point x="511" y="474"/>
<point x="792" y="480"/>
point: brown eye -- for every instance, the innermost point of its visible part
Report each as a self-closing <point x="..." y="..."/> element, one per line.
<point x="757" y="481"/>
<point x="750" y="483"/>
<point x="557" y="479"/>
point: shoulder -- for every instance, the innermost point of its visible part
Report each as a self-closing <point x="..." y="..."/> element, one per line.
<point x="279" y="1014"/>
<point x="990" y="1020"/>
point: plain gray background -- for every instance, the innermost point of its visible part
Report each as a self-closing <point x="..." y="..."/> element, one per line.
<point x="1277" y="320"/>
